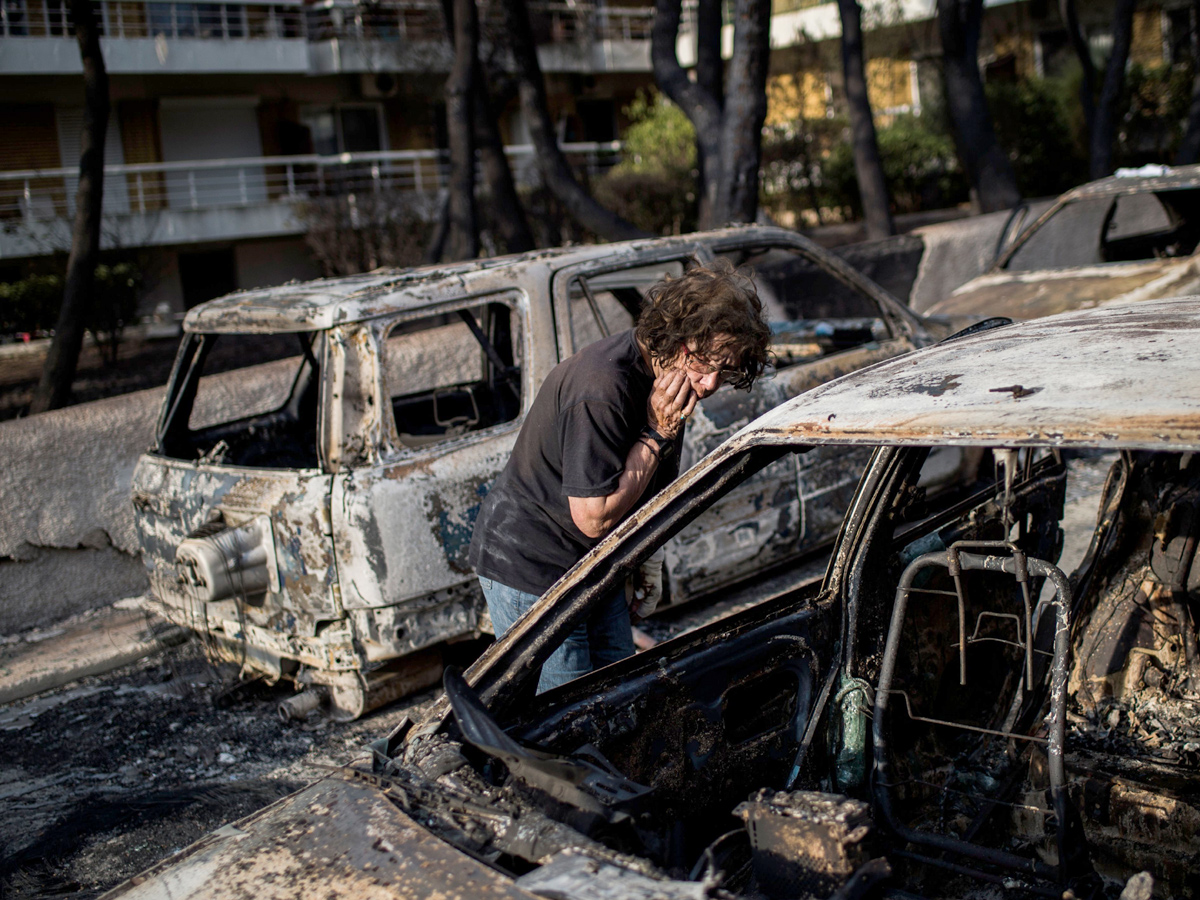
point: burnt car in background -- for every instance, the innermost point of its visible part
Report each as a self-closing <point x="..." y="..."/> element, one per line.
<point x="1129" y="237"/>
<point x="947" y="713"/>
<point x="323" y="536"/>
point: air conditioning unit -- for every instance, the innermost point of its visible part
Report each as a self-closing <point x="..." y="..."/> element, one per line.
<point x="379" y="84"/>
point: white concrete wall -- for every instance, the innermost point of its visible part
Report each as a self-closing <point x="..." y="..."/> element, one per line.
<point x="60" y="56"/>
<point x="162" y="227"/>
<point x="67" y="536"/>
<point x="67" y="539"/>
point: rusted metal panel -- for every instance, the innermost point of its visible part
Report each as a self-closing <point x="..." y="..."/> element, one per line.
<point x="341" y="837"/>
<point x="175" y="498"/>
<point x="403" y="530"/>
<point x="1031" y="295"/>
<point x="1023" y="385"/>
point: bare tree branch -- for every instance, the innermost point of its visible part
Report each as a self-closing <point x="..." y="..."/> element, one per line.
<point x="1189" y="148"/>
<point x="693" y="97"/>
<point x="1104" y="127"/>
<point x="1087" y="89"/>
<point x="744" y="112"/>
<point x="728" y="124"/>
<point x="1100" y="115"/>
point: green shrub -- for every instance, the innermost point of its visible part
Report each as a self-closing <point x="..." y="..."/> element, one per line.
<point x="31" y="304"/>
<point x="919" y="165"/>
<point x="1153" y="114"/>
<point x="654" y="184"/>
<point x="1039" y="124"/>
<point x="794" y="158"/>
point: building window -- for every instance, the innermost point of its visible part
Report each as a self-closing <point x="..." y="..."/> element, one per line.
<point x="1181" y="36"/>
<point x="13" y="19"/>
<point x="1054" y="53"/>
<point x="347" y="128"/>
<point x="207" y="274"/>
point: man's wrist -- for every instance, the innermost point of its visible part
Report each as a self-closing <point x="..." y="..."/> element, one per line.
<point x="665" y="445"/>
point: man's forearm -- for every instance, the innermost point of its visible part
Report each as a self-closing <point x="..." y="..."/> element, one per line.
<point x="596" y="516"/>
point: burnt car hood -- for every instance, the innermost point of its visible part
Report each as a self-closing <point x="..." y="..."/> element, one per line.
<point x="340" y="837"/>
<point x="1032" y="295"/>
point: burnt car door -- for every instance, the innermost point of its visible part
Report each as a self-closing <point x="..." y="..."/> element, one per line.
<point x="230" y="502"/>
<point x="451" y="383"/>
<point x="828" y="320"/>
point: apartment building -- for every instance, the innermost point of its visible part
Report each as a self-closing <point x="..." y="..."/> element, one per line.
<point x="228" y="117"/>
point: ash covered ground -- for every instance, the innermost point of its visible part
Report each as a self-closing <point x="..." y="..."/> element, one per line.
<point x="105" y="777"/>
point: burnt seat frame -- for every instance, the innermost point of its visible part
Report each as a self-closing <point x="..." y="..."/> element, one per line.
<point x="1014" y="562"/>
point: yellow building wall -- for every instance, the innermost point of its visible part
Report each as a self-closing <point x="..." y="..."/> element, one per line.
<point x="1146" y="47"/>
<point x="798" y="95"/>
<point x="889" y="84"/>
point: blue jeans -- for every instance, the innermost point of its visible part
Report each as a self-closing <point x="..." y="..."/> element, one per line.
<point x="605" y="638"/>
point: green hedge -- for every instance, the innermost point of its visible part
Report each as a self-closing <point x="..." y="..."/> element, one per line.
<point x="32" y="304"/>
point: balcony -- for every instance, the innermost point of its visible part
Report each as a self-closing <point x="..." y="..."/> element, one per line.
<point x="160" y="204"/>
<point x="141" y="37"/>
<point x="329" y="37"/>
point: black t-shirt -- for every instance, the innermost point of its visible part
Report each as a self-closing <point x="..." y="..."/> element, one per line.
<point x="574" y="443"/>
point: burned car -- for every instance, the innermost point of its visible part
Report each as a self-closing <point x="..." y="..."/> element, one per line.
<point x="946" y="713"/>
<point x="1132" y="236"/>
<point x="323" y="536"/>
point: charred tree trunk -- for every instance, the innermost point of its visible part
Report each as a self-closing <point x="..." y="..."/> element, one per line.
<point x="710" y="76"/>
<point x="506" y="212"/>
<point x="728" y="118"/>
<point x="463" y="237"/>
<point x="987" y="167"/>
<point x="1100" y="115"/>
<point x="868" y="167"/>
<point x="54" y="388"/>
<point x="556" y="171"/>
<point x="1189" y="148"/>
<point x="744" y="111"/>
<point x="1104" y="128"/>
<point x="1087" y="87"/>
<point x="695" y="99"/>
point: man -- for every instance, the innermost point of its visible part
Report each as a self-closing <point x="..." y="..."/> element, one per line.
<point x="601" y="437"/>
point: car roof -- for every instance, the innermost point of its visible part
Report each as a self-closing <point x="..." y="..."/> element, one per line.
<point x="1167" y="178"/>
<point x="325" y="302"/>
<point x="1123" y="376"/>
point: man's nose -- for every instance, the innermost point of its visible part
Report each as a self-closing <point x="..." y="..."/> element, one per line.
<point x="711" y="381"/>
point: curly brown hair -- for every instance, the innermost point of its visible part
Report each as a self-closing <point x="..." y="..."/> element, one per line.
<point x="697" y="307"/>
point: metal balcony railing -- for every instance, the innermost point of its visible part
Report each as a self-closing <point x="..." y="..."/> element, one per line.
<point x="421" y="20"/>
<point x="39" y="195"/>
<point x="126" y="19"/>
<point x="392" y="20"/>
